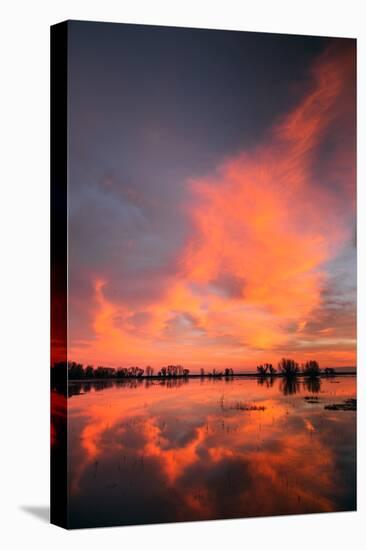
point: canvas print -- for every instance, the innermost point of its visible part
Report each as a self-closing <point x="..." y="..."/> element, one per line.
<point x="203" y="260"/>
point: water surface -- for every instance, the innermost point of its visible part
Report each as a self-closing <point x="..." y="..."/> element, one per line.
<point x="146" y="452"/>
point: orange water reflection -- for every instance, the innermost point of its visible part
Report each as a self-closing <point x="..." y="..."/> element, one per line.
<point x="154" y="453"/>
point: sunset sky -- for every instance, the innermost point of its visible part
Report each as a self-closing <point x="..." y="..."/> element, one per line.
<point x="211" y="197"/>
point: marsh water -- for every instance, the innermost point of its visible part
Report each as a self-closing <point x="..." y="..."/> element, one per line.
<point x="153" y="451"/>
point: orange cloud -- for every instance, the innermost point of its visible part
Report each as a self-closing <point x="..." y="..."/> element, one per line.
<point x="254" y="268"/>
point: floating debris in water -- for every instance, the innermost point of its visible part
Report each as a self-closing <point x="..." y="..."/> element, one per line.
<point x="347" y="405"/>
<point x="240" y="406"/>
<point x="311" y="399"/>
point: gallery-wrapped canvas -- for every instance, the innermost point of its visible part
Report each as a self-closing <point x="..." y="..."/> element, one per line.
<point x="203" y="274"/>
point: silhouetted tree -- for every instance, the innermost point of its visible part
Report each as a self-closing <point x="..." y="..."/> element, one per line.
<point x="266" y="369"/>
<point x="89" y="371"/>
<point x="174" y="370"/>
<point x="149" y="371"/>
<point x="311" y="369"/>
<point x="135" y="372"/>
<point x="104" y="372"/>
<point x="288" y="367"/>
<point x="121" y="373"/>
<point x="75" y="371"/>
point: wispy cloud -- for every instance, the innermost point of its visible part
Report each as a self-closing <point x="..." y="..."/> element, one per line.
<point x="251" y="278"/>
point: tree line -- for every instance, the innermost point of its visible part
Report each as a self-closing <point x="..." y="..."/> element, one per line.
<point x="286" y="367"/>
<point x="77" y="371"/>
<point x="290" y="368"/>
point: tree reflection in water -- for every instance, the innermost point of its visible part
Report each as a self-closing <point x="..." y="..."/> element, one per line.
<point x="312" y="385"/>
<point x="290" y="385"/>
<point x="266" y="381"/>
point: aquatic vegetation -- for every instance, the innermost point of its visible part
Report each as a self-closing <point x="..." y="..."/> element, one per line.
<point x="240" y="406"/>
<point x="347" y="405"/>
<point x="311" y="399"/>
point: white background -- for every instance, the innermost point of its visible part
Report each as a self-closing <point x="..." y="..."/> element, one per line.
<point x="24" y="285"/>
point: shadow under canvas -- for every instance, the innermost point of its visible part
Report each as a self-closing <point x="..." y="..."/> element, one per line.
<point x="40" y="512"/>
